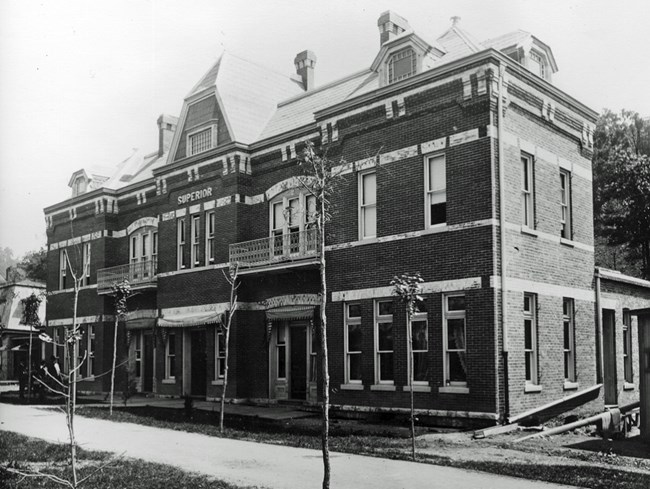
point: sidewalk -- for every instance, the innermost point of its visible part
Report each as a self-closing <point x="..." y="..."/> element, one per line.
<point x="247" y="463"/>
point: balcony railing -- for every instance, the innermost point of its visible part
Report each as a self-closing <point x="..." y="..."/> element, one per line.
<point x="275" y="250"/>
<point x="141" y="274"/>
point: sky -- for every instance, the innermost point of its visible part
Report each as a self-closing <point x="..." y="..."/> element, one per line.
<point x="83" y="82"/>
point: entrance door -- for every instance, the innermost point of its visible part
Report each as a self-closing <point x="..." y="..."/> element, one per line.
<point x="609" y="357"/>
<point x="298" y="361"/>
<point x="147" y="384"/>
<point x="198" y="363"/>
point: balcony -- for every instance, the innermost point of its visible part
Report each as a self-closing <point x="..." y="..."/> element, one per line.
<point x="140" y="275"/>
<point x="277" y="252"/>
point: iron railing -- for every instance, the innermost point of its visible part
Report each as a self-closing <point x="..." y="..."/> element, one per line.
<point x="287" y="247"/>
<point x="139" y="274"/>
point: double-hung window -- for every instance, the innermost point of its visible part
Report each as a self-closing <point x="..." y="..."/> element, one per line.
<point x="527" y="191"/>
<point x="196" y="246"/>
<point x="419" y="344"/>
<point x="138" y="353"/>
<point x="220" y="357"/>
<point x="281" y="350"/>
<point x="565" y="204"/>
<point x="170" y="357"/>
<point x="209" y="237"/>
<point x="63" y="269"/>
<point x="384" y="342"/>
<point x="85" y="251"/>
<point x="353" y="342"/>
<point x="569" y="340"/>
<point x="628" y="369"/>
<point x="154" y="251"/>
<point x="367" y="205"/>
<point x="530" y="338"/>
<point x="180" y="243"/>
<point x="90" y="351"/>
<point x="436" y="198"/>
<point x="455" y="358"/>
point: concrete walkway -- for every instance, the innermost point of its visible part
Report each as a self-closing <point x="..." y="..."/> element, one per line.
<point x="247" y="463"/>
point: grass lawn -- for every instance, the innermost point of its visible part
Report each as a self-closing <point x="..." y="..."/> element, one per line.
<point x="29" y="455"/>
<point x="547" y="460"/>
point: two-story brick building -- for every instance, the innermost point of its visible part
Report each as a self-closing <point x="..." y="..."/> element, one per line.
<point x="459" y="159"/>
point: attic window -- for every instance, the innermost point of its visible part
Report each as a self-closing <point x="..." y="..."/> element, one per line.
<point x="79" y="186"/>
<point x="402" y="65"/>
<point x="537" y="64"/>
<point x="201" y="141"/>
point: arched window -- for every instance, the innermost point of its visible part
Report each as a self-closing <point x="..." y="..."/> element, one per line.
<point x="401" y="65"/>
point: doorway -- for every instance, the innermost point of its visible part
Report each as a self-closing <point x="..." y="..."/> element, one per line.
<point x="198" y="363"/>
<point x="609" y="357"/>
<point x="298" y="362"/>
<point x="147" y="384"/>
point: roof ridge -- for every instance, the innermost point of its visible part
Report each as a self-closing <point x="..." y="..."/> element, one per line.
<point x="324" y="87"/>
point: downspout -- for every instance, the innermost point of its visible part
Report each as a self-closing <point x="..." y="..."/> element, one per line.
<point x="599" y="329"/>
<point x="502" y="234"/>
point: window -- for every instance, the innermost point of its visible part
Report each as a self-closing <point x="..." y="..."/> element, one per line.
<point x="281" y="350"/>
<point x="220" y="357"/>
<point x="196" y="234"/>
<point x="353" y="342"/>
<point x="527" y="192"/>
<point x="200" y="141"/>
<point x="569" y="340"/>
<point x="209" y="237"/>
<point x="180" y="230"/>
<point x="90" y="351"/>
<point x="143" y="253"/>
<point x="79" y="186"/>
<point x="63" y="269"/>
<point x="401" y="65"/>
<point x="628" y="371"/>
<point x="384" y="342"/>
<point x="436" y="205"/>
<point x="170" y="357"/>
<point x="154" y="250"/>
<point x="313" y="357"/>
<point x="419" y="344"/>
<point x="455" y="367"/>
<point x="530" y="338"/>
<point x="85" y="251"/>
<point x="292" y="224"/>
<point x="138" y="353"/>
<point x="367" y="205"/>
<point x="537" y="64"/>
<point x="565" y="204"/>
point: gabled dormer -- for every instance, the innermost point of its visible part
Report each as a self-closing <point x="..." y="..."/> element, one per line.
<point x="403" y="53"/>
<point x="85" y="180"/>
<point x="527" y="50"/>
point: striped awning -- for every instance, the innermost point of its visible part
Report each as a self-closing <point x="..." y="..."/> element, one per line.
<point x="289" y="313"/>
<point x="190" y="319"/>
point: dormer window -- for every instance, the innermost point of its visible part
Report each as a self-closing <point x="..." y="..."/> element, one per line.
<point x="79" y="186"/>
<point x="537" y="64"/>
<point x="401" y="65"/>
<point x="202" y="140"/>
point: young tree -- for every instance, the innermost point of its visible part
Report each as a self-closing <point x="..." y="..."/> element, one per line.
<point x="30" y="317"/>
<point x="320" y="180"/>
<point x="121" y="292"/>
<point x="407" y="288"/>
<point x="225" y="325"/>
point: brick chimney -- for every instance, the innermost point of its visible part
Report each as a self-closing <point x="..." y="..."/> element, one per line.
<point x="391" y="25"/>
<point x="166" y="128"/>
<point x="305" y="63"/>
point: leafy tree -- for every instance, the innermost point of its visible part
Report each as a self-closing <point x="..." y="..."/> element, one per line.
<point x="34" y="264"/>
<point x="30" y="317"/>
<point x="622" y="192"/>
<point x="121" y="292"/>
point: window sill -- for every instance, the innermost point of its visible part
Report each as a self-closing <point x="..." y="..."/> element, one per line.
<point x="382" y="387"/>
<point x="529" y="231"/>
<point x="453" y="389"/>
<point x="217" y="382"/>
<point x="168" y="381"/>
<point x="417" y="388"/>
<point x="628" y="386"/>
<point x="570" y="386"/>
<point x="352" y="387"/>
<point x="532" y="388"/>
<point x="568" y="242"/>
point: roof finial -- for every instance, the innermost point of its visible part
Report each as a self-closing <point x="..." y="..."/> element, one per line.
<point x="455" y="20"/>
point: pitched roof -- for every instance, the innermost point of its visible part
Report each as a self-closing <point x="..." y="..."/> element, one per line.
<point x="507" y="40"/>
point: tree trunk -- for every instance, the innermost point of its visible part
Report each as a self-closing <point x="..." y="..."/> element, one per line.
<point x="411" y="376"/>
<point x="225" y="379"/>
<point x="29" y="368"/>
<point x="117" y="321"/>
<point x="72" y="389"/>
<point x="324" y="359"/>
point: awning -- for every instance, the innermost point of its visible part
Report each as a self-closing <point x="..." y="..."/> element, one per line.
<point x="142" y="323"/>
<point x="189" y="319"/>
<point x="289" y="313"/>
